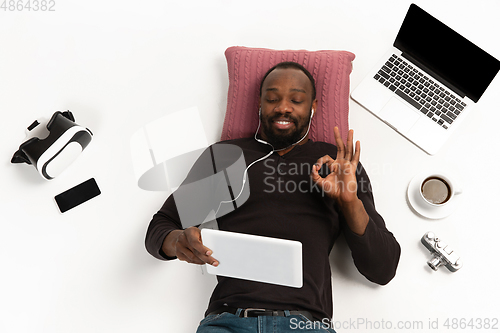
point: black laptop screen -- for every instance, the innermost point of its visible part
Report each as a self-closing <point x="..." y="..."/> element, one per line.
<point x="453" y="58"/>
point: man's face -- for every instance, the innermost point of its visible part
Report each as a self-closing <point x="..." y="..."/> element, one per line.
<point x="286" y="102"/>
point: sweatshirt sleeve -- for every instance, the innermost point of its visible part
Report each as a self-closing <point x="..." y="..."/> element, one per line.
<point x="167" y="218"/>
<point x="376" y="253"/>
<point x="163" y="222"/>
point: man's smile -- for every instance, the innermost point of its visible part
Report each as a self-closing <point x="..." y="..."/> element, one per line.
<point x="283" y="123"/>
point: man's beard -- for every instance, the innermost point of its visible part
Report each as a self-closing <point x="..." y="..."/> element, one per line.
<point x="281" y="139"/>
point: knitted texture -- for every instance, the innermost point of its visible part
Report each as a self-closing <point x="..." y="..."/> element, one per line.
<point x="246" y="68"/>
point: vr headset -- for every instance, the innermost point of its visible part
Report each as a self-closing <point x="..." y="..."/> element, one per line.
<point x="50" y="153"/>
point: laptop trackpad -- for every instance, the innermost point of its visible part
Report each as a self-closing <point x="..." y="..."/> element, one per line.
<point x="399" y="115"/>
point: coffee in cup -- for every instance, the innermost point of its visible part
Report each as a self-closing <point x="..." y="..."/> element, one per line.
<point x="437" y="190"/>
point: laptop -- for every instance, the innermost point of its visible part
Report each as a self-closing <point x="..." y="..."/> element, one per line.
<point x="256" y="258"/>
<point x="428" y="82"/>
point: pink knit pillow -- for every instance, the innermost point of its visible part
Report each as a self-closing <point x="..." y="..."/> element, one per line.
<point x="247" y="66"/>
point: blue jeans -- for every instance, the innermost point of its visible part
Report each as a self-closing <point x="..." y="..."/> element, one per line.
<point x="229" y="323"/>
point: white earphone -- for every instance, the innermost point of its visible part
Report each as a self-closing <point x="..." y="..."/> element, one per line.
<point x="245" y="173"/>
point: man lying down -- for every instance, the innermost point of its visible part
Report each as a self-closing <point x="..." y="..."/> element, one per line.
<point x="339" y="200"/>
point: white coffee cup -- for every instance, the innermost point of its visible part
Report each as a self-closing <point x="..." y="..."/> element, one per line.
<point x="437" y="190"/>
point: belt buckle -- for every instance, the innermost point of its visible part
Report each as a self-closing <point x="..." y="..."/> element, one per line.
<point x="245" y="312"/>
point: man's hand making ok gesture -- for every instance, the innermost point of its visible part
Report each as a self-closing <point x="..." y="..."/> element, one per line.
<point x="341" y="184"/>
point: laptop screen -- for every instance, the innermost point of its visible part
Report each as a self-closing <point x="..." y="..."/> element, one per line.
<point x="464" y="67"/>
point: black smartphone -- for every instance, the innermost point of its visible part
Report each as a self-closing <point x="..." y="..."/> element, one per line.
<point x="77" y="195"/>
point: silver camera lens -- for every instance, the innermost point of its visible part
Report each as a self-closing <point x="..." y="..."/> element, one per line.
<point x="434" y="263"/>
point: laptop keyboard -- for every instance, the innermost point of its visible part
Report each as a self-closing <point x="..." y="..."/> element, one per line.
<point x="415" y="87"/>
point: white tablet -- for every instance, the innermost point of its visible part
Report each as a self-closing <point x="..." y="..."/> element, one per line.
<point x="256" y="258"/>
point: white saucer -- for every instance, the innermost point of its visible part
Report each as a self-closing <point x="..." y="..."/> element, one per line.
<point x="418" y="205"/>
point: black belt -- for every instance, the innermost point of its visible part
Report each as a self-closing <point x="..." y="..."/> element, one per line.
<point x="253" y="312"/>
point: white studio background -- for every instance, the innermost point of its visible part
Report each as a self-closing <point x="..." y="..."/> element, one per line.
<point x="118" y="65"/>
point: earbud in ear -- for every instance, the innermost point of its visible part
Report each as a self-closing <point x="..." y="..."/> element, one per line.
<point x="312" y="112"/>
